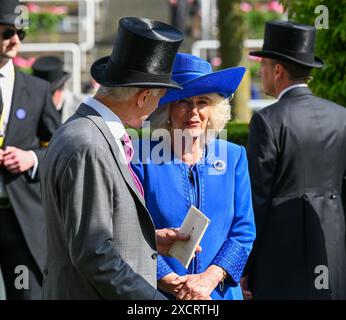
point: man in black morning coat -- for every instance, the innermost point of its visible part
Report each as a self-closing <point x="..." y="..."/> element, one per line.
<point x="297" y="163"/>
<point x="28" y="120"/>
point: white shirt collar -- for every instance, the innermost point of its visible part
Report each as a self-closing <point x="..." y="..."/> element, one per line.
<point x="7" y="71"/>
<point x="7" y="81"/>
<point x="290" y="88"/>
<point x="113" y="122"/>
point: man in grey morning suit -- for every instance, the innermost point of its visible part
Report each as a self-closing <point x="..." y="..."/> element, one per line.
<point x="101" y="239"/>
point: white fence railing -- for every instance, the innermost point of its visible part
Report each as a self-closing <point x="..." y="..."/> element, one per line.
<point x="75" y="62"/>
<point x="200" y="45"/>
<point x="86" y="20"/>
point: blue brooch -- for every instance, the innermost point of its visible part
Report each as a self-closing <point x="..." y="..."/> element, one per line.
<point x="219" y="165"/>
<point x="20" y="114"/>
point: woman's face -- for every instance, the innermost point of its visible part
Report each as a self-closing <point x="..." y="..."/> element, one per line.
<point x="191" y="114"/>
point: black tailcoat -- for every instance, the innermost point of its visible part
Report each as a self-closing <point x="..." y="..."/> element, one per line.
<point x="297" y="163"/>
<point x="32" y="121"/>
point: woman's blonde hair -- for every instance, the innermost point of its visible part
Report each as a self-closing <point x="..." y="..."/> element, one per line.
<point x="220" y="114"/>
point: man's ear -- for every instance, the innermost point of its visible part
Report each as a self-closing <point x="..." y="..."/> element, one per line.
<point x="142" y="97"/>
<point x="279" y="71"/>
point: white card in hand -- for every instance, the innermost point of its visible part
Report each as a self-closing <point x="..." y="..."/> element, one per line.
<point x="194" y="224"/>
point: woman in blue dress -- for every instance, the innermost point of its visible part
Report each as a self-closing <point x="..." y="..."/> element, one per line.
<point x="200" y="170"/>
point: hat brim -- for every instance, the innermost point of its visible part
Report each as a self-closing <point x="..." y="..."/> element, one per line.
<point x="98" y="68"/>
<point x="318" y="63"/>
<point x="9" y="20"/>
<point x="58" y="83"/>
<point x="224" y="82"/>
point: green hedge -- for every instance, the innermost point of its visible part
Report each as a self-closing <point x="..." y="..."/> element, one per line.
<point x="238" y="133"/>
<point x="43" y="22"/>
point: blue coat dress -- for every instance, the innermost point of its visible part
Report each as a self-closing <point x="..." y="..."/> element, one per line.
<point x="219" y="186"/>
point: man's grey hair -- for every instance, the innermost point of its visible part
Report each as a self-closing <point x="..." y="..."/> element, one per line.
<point x="123" y="93"/>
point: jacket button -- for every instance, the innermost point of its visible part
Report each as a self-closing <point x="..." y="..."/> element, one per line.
<point x="154" y="256"/>
<point x="332" y="196"/>
<point x="45" y="271"/>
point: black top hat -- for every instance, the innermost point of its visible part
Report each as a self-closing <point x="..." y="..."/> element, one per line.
<point x="289" y="41"/>
<point x="51" y="69"/>
<point x="142" y="56"/>
<point x="8" y="13"/>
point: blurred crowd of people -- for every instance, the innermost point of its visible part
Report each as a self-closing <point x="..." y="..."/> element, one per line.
<point x="185" y="15"/>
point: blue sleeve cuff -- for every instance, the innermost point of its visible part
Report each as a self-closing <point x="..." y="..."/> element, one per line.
<point x="162" y="268"/>
<point x="232" y="258"/>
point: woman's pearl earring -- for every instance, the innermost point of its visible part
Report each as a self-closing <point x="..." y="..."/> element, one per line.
<point x="168" y="121"/>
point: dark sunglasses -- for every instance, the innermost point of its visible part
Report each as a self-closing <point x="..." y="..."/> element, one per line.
<point x="9" y="33"/>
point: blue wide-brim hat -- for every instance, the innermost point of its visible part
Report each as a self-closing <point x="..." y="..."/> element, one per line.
<point x="196" y="77"/>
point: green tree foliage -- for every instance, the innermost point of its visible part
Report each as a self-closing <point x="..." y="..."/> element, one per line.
<point x="255" y="22"/>
<point x="330" y="82"/>
<point x="231" y="32"/>
<point x="237" y="132"/>
<point x="44" y="22"/>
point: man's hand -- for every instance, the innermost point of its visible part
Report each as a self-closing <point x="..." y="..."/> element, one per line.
<point x="172" y="284"/>
<point x="173" y="3"/>
<point x="166" y="237"/>
<point x="244" y="287"/>
<point x="16" y="160"/>
<point x="166" y="284"/>
<point x="1" y="156"/>
<point x="198" y="286"/>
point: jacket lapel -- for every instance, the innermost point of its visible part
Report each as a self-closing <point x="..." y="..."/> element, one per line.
<point x="20" y="97"/>
<point x="90" y="113"/>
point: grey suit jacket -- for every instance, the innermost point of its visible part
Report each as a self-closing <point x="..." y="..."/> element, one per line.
<point x="71" y="103"/>
<point x="101" y="239"/>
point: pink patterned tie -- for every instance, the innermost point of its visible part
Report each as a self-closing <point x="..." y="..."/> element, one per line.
<point x="128" y="148"/>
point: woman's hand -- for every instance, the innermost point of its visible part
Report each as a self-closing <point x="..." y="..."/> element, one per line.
<point x="199" y="286"/>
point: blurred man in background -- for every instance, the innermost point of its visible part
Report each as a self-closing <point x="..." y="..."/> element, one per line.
<point x="50" y="68"/>
<point x="27" y="121"/>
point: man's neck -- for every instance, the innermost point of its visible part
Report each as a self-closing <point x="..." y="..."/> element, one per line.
<point x="281" y="87"/>
<point x="121" y="109"/>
